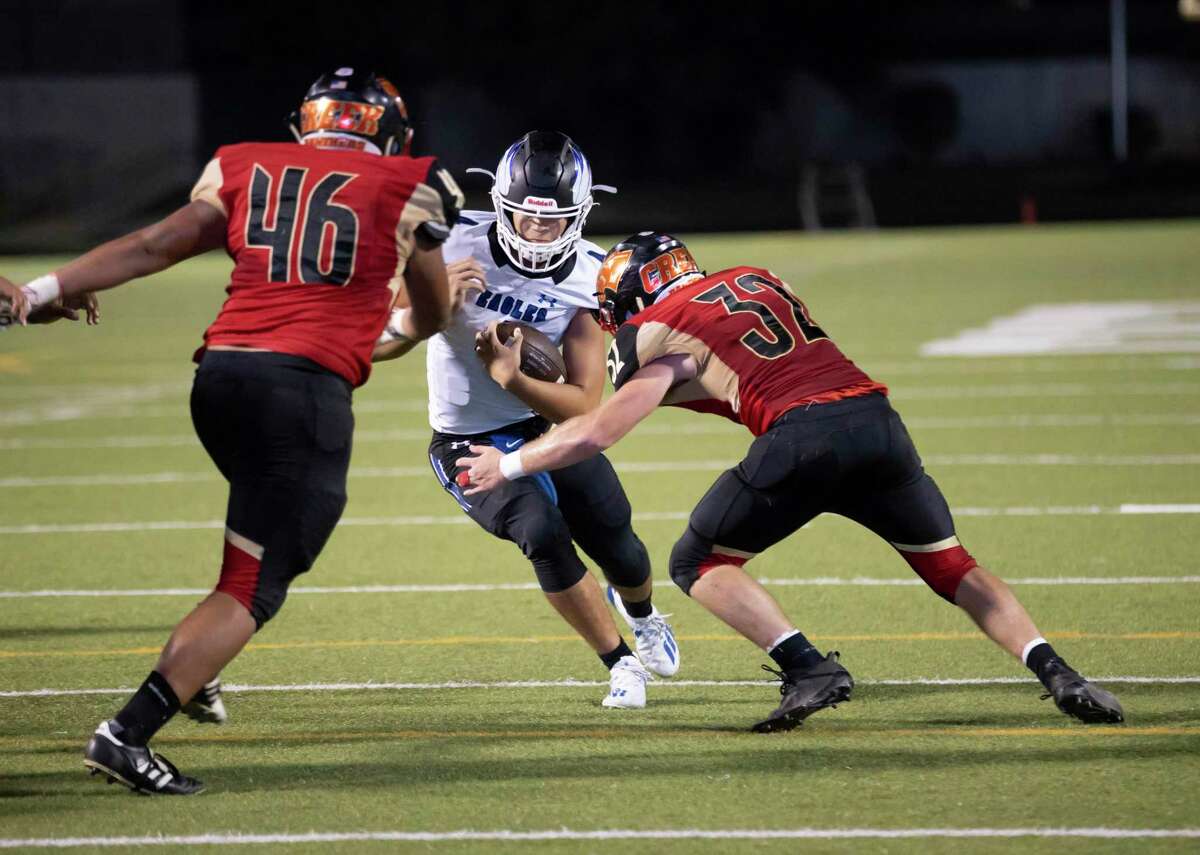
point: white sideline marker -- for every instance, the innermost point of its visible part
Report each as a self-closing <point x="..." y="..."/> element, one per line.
<point x="467" y="587"/>
<point x="504" y="835"/>
<point x="235" y="688"/>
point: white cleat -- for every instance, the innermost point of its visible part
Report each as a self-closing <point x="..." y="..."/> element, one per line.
<point x="207" y="707"/>
<point x="656" y="645"/>
<point x="627" y="685"/>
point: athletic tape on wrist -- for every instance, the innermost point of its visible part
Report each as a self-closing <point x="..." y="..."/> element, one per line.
<point x="43" y="290"/>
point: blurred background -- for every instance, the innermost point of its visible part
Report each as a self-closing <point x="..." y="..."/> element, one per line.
<point x="723" y="118"/>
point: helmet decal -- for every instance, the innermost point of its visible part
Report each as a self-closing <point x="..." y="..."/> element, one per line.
<point x="353" y="110"/>
<point x="666" y="268"/>
<point x="637" y="272"/>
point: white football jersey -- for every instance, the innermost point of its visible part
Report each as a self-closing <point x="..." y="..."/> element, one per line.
<point x="463" y="398"/>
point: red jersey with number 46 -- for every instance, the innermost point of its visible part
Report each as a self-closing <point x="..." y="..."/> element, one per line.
<point x="758" y="351"/>
<point x="320" y="239"/>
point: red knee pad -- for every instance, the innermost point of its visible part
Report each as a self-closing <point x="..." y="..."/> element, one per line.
<point x="717" y="559"/>
<point x="941" y="567"/>
<point x="239" y="569"/>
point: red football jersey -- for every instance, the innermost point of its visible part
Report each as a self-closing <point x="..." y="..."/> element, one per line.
<point x="319" y="239"/>
<point x="759" y="352"/>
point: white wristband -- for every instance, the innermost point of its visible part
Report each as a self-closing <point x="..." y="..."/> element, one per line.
<point x="510" y="466"/>
<point x="394" y="330"/>
<point x="43" y="290"/>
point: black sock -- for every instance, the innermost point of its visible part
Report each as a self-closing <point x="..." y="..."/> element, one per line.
<point x="612" y="657"/>
<point x="796" y="651"/>
<point x="1038" y="657"/>
<point x="150" y="708"/>
<point x="640" y="609"/>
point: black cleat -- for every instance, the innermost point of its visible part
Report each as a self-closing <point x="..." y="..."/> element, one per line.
<point x="1076" y="697"/>
<point x="805" y="691"/>
<point x="137" y="767"/>
<point x="207" y="707"/>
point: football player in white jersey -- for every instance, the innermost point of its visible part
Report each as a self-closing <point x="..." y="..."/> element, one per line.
<point x="527" y="262"/>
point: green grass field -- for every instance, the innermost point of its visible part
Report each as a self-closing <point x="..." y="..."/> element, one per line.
<point x="1039" y="453"/>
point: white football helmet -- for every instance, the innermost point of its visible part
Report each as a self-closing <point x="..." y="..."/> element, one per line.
<point x="543" y="174"/>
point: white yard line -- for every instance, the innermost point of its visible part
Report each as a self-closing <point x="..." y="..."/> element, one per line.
<point x="460" y="588"/>
<point x="587" y="684"/>
<point x="117" y="405"/>
<point x="1129" y="509"/>
<point x="1020" y="421"/>
<point x="116" y="479"/>
<point x="505" y="835"/>
<point x="88" y="404"/>
<point x="1042" y="390"/>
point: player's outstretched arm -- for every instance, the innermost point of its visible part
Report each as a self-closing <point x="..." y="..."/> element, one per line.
<point x="193" y="229"/>
<point x="583" y="436"/>
<point x="464" y="277"/>
<point x="428" y="291"/>
<point x="583" y="353"/>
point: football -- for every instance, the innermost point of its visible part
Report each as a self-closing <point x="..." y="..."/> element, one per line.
<point x="540" y="359"/>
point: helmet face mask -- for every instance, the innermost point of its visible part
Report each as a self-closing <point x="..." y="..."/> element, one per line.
<point x="354" y="111"/>
<point x="545" y="175"/>
<point x="637" y="272"/>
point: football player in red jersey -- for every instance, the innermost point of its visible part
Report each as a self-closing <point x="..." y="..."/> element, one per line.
<point x="740" y="344"/>
<point x="323" y="235"/>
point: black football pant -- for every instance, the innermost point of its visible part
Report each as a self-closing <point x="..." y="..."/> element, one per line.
<point x="279" y="429"/>
<point x="852" y="457"/>
<point x="543" y="514"/>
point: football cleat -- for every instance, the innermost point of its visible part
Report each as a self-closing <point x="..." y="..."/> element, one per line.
<point x="805" y="691"/>
<point x="656" y="645"/>
<point x="627" y="685"/>
<point x="1076" y="697"/>
<point x="207" y="707"/>
<point x="135" y="766"/>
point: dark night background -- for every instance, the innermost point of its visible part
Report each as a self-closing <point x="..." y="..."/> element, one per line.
<point x="707" y="117"/>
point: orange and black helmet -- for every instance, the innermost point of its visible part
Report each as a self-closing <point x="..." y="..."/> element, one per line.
<point x="636" y="272"/>
<point x="356" y="110"/>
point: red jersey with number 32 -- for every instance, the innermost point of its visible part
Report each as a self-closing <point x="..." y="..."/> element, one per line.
<point x="758" y="351"/>
<point x="320" y="239"/>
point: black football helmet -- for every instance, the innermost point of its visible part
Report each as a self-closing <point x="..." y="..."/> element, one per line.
<point x="543" y="174"/>
<point x="637" y="271"/>
<point x="355" y="110"/>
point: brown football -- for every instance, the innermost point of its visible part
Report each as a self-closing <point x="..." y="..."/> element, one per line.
<point x="540" y="359"/>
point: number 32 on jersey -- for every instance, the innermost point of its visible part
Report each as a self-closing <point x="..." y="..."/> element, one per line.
<point x="772" y="302"/>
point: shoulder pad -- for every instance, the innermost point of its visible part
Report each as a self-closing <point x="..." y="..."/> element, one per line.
<point x="452" y="199"/>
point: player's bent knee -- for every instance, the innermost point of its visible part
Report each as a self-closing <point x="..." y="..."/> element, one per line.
<point x="559" y="573"/>
<point x="693" y="556"/>
<point x="241" y="569"/>
<point x="940" y="565"/>
<point x="546" y="542"/>
<point x="629" y="563"/>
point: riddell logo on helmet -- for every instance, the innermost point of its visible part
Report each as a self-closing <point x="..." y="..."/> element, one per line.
<point x="539" y="202"/>
<point x="349" y="117"/>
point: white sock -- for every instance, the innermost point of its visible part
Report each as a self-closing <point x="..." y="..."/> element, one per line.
<point x="781" y="639"/>
<point x="1029" y="647"/>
